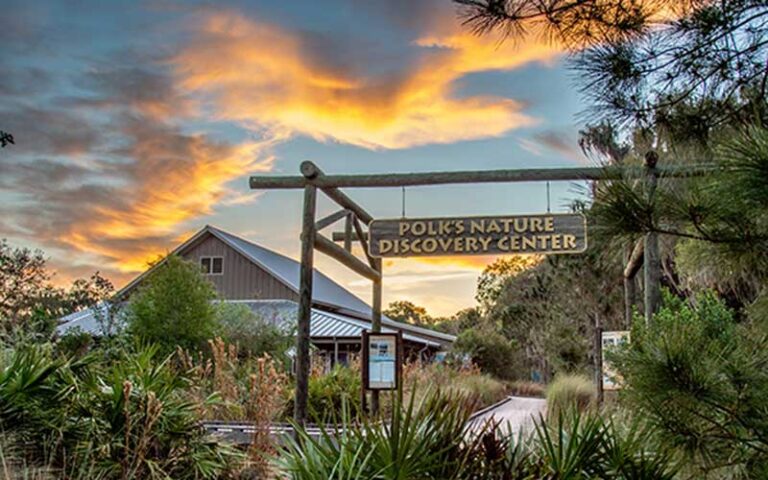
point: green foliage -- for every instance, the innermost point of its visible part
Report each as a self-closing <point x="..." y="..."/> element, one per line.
<point x="491" y="282"/>
<point x="569" y="392"/>
<point x="127" y="420"/>
<point x="173" y="307"/>
<point x="408" y="312"/>
<point x="30" y="304"/>
<point x="75" y="343"/>
<point x="684" y="66"/>
<point x="489" y="350"/>
<point x="699" y="376"/>
<point x="431" y="440"/>
<point x="550" y="309"/>
<point x="330" y="394"/>
<point x="415" y="441"/>
<point x="254" y="336"/>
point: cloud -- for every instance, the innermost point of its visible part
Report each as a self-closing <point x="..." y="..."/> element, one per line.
<point x="111" y="164"/>
<point x="48" y="131"/>
<point x="563" y="143"/>
<point x="265" y="76"/>
<point x="137" y="181"/>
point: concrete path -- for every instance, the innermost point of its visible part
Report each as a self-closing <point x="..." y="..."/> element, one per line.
<point x="515" y="414"/>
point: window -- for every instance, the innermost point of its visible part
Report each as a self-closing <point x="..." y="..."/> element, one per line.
<point x="212" y="265"/>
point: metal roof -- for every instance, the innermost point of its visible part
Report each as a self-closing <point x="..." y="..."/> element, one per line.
<point x="285" y="269"/>
<point x="325" y="292"/>
<point x="281" y="313"/>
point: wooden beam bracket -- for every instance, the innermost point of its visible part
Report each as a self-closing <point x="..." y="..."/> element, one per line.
<point x="336" y="252"/>
<point x="331" y="219"/>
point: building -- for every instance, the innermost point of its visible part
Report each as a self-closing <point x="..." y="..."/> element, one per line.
<point x="268" y="283"/>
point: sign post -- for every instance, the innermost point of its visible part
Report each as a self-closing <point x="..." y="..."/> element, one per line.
<point x="534" y="234"/>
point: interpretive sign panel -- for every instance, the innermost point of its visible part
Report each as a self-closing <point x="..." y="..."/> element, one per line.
<point x="518" y="234"/>
<point x="381" y="361"/>
<point x="611" y="341"/>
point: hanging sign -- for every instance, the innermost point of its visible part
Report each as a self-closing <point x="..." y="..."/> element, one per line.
<point x="518" y="234"/>
<point x="382" y="360"/>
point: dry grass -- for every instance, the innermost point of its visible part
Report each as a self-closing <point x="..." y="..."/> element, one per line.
<point x="568" y="392"/>
<point x="250" y="389"/>
<point x="523" y="388"/>
<point x="419" y="378"/>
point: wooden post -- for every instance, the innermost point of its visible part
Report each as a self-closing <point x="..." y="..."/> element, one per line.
<point x="348" y="232"/>
<point x="305" y="305"/>
<point x="599" y="360"/>
<point x="376" y="326"/>
<point x="652" y="257"/>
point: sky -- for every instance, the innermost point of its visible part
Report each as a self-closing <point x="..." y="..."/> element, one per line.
<point x="137" y="123"/>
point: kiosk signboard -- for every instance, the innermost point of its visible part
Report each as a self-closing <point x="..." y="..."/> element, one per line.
<point x="381" y="361"/>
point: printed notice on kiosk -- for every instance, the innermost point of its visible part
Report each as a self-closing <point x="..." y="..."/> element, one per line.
<point x="518" y="234"/>
<point x="382" y="362"/>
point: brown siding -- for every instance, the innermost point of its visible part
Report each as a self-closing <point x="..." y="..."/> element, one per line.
<point x="241" y="278"/>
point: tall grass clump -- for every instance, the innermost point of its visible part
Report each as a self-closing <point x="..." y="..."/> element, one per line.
<point x="568" y="392"/>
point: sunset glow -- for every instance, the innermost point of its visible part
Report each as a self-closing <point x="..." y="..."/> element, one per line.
<point x="147" y="133"/>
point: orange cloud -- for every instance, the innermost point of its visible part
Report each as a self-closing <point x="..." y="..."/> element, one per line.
<point x="264" y="77"/>
<point x="171" y="191"/>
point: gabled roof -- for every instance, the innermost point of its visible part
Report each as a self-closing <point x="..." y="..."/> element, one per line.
<point x="285" y="269"/>
<point x="325" y="292"/>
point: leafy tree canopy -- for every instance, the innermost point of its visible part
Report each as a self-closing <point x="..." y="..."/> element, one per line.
<point x="173" y="307"/>
<point x="686" y="65"/>
<point x="408" y="312"/>
<point x="30" y="302"/>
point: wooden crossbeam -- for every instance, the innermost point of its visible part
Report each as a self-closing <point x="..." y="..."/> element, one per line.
<point x="489" y="176"/>
<point x="339" y="236"/>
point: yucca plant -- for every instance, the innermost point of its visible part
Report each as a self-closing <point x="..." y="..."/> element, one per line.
<point x="130" y="420"/>
<point x="425" y="440"/>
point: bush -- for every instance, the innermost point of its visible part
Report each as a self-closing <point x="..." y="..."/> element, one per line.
<point x="424" y="440"/>
<point x="173" y="308"/>
<point x="254" y="337"/>
<point x="467" y="382"/>
<point x="700" y="376"/>
<point x="489" y="350"/>
<point x="430" y="440"/>
<point x="569" y="392"/>
<point x="330" y="393"/>
<point x="128" y="420"/>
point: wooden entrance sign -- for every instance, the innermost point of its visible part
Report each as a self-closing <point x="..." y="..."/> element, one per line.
<point x="518" y="234"/>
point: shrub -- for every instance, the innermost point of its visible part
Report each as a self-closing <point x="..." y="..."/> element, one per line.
<point x="130" y="419"/>
<point x="254" y="336"/>
<point x="430" y="440"/>
<point x="330" y="393"/>
<point x="424" y="440"/>
<point x="173" y="307"/>
<point x="466" y="381"/>
<point x="527" y="389"/>
<point x="569" y="392"/>
<point x="489" y="350"/>
<point x="700" y="377"/>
